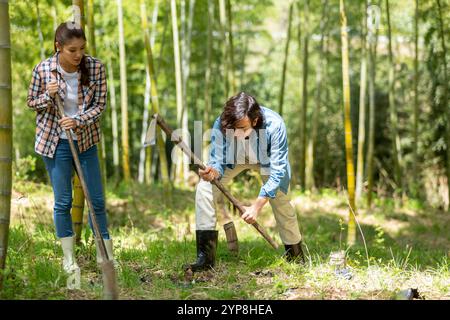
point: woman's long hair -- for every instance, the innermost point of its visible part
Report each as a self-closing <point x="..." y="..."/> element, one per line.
<point x="63" y="34"/>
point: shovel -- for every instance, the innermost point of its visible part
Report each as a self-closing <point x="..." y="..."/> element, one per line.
<point x="230" y="231"/>
<point x="110" y="291"/>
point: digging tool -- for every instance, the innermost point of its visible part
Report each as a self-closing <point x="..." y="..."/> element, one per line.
<point x="179" y="142"/>
<point x="110" y="291"/>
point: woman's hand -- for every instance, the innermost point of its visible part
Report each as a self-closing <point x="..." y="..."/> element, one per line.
<point x="52" y="88"/>
<point x="67" y="123"/>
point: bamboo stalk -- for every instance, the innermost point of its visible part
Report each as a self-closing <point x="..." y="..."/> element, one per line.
<point x="80" y="5"/>
<point x="93" y="52"/>
<point x="179" y="177"/>
<point x="445" y="95"/>
<point x="155" y="106"/>
<point x="373" y="41"/>
<point x="186" y="40"/>
<point x="5" y="134"/>
<point x="304" y="106"/>
<point x="179" y="142"/>
<point x="311" y="146"/>
<point x="77" y="208"/>
<point x="286" y="55"/>
<point x="78" y="195"/>
<point x="362" y="109"/>
<point x="123" y="97"/>
<point x="348" y="127"/>
<point x="230" y="47"/>
<point x="208" y="76"/>
<point x="112" y="100"/>
<point x="39" y="30"/>
<point x="393" y="111"/>
<point x="414" y="184"/>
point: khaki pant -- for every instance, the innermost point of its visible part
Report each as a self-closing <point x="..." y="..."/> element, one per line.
<point x="208" y="197"/>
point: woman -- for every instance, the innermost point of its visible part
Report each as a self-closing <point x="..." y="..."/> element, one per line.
<point x="80" y="81"/>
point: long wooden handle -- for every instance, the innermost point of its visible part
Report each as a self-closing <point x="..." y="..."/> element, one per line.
<point x="109" y="277"/>
<point x="179" y="142"/>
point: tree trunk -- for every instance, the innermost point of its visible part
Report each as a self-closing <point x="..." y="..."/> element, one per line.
<point x="351" y="238"/>
<point x="362" y="110"/>
<point x="445" y="95"/>
<point x="286" y="55"/>
<point x="5" y="134"/>
<point x="155" y="104"/>
<point x="309" y="162"/>
<point x="123" y="97"/>
<point x="396" y="152"/>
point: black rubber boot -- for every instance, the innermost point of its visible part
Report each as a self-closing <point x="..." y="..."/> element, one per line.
<point x="206" y="250"/>
<point x="294" y="253"/>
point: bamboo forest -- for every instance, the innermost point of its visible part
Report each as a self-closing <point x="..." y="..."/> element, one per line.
<point x="123" y="124"/>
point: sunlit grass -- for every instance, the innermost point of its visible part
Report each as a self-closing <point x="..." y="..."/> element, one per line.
<point x="153" y="241"/>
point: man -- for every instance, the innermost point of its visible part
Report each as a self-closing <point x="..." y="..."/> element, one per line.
<point x="246" y="136"/>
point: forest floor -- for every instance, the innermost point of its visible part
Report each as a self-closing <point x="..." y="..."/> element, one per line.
<point x="407" y="247"/>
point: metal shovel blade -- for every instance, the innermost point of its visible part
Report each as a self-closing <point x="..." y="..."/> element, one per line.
<point x="150" y="137"/>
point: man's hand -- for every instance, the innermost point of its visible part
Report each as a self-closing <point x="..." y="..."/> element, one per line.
<point x="67" y="123"/>
<point x="52" y="88"/>
<point x="209" y="174"/>
<point x="251" y="213"/>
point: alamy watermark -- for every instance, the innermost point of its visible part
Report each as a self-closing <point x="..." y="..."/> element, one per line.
<point x="229" y="147"/>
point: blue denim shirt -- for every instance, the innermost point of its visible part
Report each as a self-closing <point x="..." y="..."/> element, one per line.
<point x="272" y="154"/>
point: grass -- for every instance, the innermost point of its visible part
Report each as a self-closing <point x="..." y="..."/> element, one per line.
<point x="407" y="248"/>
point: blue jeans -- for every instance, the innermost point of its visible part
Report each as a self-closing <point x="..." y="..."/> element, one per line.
<point x="60" y="169"/>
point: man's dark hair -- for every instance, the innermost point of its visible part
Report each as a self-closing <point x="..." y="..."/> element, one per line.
<point x="237" y="108"/>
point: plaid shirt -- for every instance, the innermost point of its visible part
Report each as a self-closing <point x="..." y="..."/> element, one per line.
<point x="91" y="104"/>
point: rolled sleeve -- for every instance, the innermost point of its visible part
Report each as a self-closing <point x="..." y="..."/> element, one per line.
<point x="278" y="162"/>
<point x="37" y="99"/>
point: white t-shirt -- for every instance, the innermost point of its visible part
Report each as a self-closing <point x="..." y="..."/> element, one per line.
<point x="71" y="99"/>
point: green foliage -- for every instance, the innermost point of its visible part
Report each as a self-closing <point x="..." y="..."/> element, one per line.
<point x="151" y="246"/>
<point x="24" y="168"/>
<point x="258" y="32"/>
<point x="155" y="239"/>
